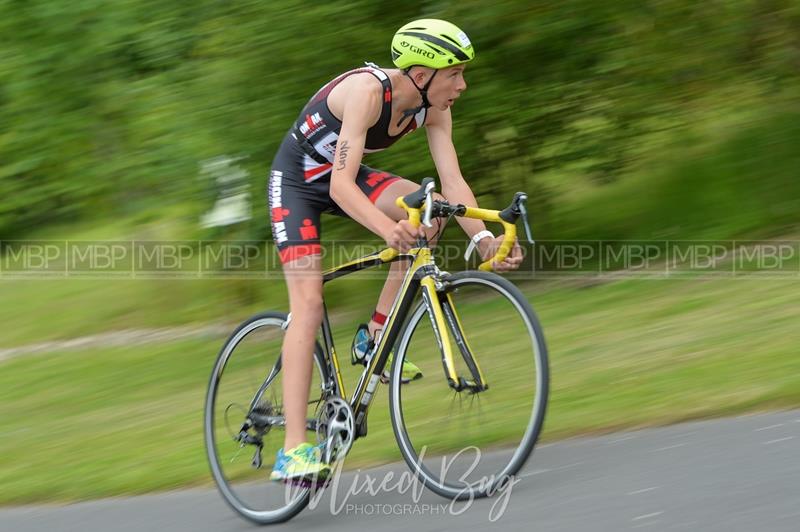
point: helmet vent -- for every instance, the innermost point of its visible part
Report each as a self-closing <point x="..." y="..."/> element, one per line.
<point x="450" y="39"/>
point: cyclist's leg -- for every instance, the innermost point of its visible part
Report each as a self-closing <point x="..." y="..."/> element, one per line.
<point x="304" y="281"/>
<point x="295" y="208"/>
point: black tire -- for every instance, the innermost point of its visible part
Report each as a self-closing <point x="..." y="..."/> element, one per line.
<point x="289" y="501"/>
<point x="418" y="419"/>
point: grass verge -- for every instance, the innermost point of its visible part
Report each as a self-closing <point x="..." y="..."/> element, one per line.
<point x="630" y="353"/>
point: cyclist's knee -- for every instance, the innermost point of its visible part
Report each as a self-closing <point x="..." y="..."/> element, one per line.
<point x="305" y="301"/>
<point x="304" y="282"/>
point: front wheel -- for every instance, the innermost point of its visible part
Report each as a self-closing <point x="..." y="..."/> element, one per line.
<point x="463" y="440"/>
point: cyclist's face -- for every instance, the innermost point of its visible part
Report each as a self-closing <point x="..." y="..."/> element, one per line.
<point x="447" y="86"/>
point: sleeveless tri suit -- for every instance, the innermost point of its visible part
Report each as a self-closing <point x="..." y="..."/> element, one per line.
<point x="299" y="181"/>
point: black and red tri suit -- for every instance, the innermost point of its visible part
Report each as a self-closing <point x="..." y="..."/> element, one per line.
<point x="300" y="176"/>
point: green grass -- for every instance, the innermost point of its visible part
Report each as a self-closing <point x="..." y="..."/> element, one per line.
<point x="103" y="422"/>
<point x="39" y="310"/>
<point x="34" y="311"/>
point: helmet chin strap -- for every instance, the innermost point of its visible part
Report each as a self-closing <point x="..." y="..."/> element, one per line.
<point x="422" y="92"/>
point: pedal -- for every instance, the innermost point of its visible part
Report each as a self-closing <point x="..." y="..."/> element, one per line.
<point x="359" y="361"/>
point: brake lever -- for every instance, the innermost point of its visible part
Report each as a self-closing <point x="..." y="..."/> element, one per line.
<point x="523" y="210"/>
<point x="426" y="218"/>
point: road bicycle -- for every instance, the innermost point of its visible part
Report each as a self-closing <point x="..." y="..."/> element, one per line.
<point x="465" y="429"/>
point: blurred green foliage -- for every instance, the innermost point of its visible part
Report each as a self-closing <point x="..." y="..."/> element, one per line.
<point x="109" y="108"/>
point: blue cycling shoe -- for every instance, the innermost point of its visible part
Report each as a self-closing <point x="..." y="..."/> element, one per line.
<point x="360" y="352"/>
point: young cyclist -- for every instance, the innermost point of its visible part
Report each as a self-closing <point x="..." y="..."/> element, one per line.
<point x="318" y="169"/>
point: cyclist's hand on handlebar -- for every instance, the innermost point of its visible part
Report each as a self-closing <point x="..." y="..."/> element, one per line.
<point x="403" y="236"/>
<point x="489" y="246"/>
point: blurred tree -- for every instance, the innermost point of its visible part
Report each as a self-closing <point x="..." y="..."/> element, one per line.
<point x="107" y="107"/>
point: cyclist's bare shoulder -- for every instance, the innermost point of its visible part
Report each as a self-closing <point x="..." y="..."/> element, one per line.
<point x="360" y="93"/>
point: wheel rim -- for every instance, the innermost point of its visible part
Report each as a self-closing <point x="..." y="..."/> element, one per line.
<point x="237" y="382"/>
<point x="496" y="445"/>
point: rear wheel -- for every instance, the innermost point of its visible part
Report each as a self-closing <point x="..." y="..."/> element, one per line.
<point x="469" y="443"/>
<point x="244" y="422"/>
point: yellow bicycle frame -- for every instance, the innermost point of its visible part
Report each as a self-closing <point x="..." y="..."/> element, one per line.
<point x="420" y="275"/>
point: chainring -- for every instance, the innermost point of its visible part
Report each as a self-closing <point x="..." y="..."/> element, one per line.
<point x="335" y="428"/>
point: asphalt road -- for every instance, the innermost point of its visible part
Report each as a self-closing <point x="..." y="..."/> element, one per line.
<point x="734" y="474"/>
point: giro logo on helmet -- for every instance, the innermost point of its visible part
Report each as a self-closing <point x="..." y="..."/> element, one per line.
<point x="417" y="50"/>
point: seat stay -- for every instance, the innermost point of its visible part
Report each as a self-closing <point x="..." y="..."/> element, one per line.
<point x="265" y="384"/>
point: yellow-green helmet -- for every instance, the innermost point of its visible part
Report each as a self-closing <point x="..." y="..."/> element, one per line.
<point x="432" y="43"/>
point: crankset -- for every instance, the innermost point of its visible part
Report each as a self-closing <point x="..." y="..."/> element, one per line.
<point x="335" y="428"/>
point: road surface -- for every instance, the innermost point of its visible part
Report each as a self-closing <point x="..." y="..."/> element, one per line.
<point x="734" y="474"/>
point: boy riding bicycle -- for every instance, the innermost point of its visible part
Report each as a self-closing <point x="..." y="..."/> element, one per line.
<point x="318" y="169"/>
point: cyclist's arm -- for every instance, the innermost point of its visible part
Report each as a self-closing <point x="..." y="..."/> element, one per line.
<point x="439" y="127"/>
<point x="361" y="108"/>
